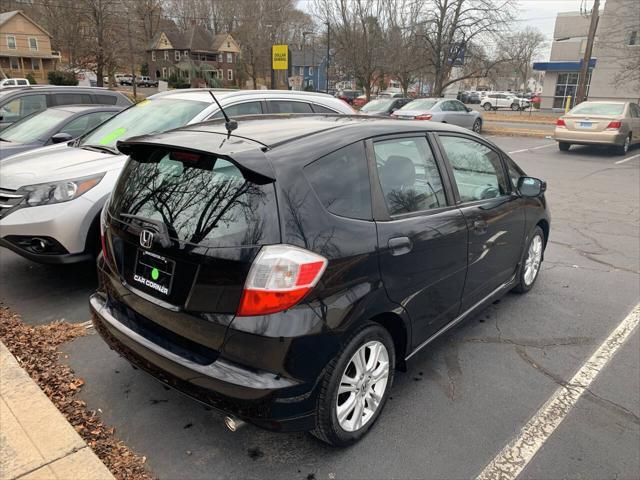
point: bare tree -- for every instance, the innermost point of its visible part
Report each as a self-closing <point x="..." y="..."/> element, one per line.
<point x="452" y="26"/>
<point x="520" y="50"/>
<point x="358" y="31"/>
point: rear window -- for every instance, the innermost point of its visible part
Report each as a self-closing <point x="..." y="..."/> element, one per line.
<point x="106" y="99"/>
<point x="208" y="203"/>
<point x="598" y="109"/>
<point x="426" y="104"/>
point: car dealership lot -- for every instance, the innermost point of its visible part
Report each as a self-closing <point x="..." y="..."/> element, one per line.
<point x="463" y="399"/>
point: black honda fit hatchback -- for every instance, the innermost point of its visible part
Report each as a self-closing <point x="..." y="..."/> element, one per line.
<point x="282" y="274"/>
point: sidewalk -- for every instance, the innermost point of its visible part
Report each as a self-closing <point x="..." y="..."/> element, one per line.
<point x="36" y="442"/>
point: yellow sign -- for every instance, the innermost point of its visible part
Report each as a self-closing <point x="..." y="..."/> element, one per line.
<point x="280" y="57"/>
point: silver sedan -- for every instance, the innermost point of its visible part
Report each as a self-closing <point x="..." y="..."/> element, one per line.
<point x="441" y="110"/>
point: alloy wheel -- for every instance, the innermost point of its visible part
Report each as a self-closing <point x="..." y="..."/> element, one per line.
<point x="477" y="126"/>
<point x="534" y="258"/>
<point x="362" y="386"/>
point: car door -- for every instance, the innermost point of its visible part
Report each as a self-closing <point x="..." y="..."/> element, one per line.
<point x="448" y="114"/>
<point x="422" y="235"/>
<point x="493" y="211"/>
<point x="634" y="111"/>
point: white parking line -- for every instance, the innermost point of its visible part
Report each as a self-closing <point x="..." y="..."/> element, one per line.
<point x="514" y="457"/>
<point x="532" y="148"/>
<point x="627" y="159"/>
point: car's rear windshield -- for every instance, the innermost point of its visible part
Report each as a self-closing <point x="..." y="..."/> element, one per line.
<point x="206" y="201"/>
<point x="425" y="104"/>
<point x="148" y="116"/>
<point x="377" y="106"/>
<point x="598" y="109"/>
<point x="35" y="126"/>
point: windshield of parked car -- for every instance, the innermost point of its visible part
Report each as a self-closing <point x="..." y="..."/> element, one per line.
<point x="34" y="127"/>
<point x="587" y="108"/>
<point x="421" y="104"/>
<point x="148" y="116"/>
<point x="377" y="106"/>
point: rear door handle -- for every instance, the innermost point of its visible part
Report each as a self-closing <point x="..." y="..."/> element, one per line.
<point x="400" y="245"/>
<point x="480" y="226"/>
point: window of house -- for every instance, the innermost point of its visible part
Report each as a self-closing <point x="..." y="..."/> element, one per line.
<point x="11" y="42"/>
<point x="567" y="86"/>
<point x="33" y="44"/>
<point x="220" y="74"/>
<point x="220" y="58"/>
<point x="35" y="64"/>
<point x="633" y="38"/>
<point x="15" y="65"/>
<point x="302" y="71"/>
<point x="177" y="55"/>
<point x="341" y="182"/>
<point x="229" y="74"/>
<point x="166" y="54"/>
<point x="185" y="54"/>
<point x="310" y="70"/>
<point x="153" y="55"/>
<point x="409" y="175"/>
<point x="164" y="72"/>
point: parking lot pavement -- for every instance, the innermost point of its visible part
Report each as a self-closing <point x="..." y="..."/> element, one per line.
<point x="464" y="398"/>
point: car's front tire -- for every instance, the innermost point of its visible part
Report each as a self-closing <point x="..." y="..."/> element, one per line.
<point x="564" y="146"/>
<point x="477" y="126"/>
<point x="531" y="262"/>
<point x="355" y="387"/>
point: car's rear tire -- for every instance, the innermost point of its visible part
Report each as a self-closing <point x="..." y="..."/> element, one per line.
<point x="624" y="148"/>
<point x="531" y="262"/>
<point x="487" y="106"/>
<point x="564" y="146"/>
<point x="515" y="107"/>
<point x="477" y="126"/>
<point x="349" y="388"/>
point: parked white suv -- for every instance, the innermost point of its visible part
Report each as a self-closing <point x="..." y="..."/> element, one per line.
<point x="14" y="82"/>
<point x="496" y="100"/>
<point x="51" y="197"/>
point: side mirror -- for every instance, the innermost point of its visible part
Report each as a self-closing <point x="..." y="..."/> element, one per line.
<point x="531" y="187"/>
<point x="61" y="137"/>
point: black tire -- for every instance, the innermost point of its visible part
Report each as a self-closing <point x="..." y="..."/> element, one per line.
<point x="624" y="148"/>
<point x="327" y="427"/>
<point x="564" y="146"/>
<point x="523" y="286"/>
<point x="487" y="106"/>
<point x="515" y="107"/>
<point x="477" y="126"/>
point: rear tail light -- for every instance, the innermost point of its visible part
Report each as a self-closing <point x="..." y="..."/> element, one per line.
<point x="615" y="125"/>
<point x="280" y="276"/>
<point x="560" y="123"/>
<point x="425" y="116"/>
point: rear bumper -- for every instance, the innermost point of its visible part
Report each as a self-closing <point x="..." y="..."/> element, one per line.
<point x="612" y="137"/>
<point x="262" y="398"/>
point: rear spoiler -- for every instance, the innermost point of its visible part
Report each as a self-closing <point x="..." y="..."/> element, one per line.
<point x="249" y="158"/>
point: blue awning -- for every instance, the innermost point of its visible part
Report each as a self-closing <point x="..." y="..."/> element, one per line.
<point x="562" y="66"/>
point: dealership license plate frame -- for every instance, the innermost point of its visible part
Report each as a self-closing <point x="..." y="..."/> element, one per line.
<point x="146" y="261"/>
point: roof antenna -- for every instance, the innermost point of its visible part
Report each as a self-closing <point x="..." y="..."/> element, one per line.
<point x="229" y="124"/>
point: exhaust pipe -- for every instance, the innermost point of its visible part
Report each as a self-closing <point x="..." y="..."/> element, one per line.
<point x="232" y="423"/>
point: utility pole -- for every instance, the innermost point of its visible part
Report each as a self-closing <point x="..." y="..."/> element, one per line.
<point x="133" y="69"/>
<point x="581" y="92"/>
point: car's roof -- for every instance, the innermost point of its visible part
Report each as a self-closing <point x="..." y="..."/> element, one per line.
<point x="26" y="88"/>
<point x="88" y="108"/>
<point x="203" y="94"/>
<point x="608" y="102"/>
<point x="275" y="130"/>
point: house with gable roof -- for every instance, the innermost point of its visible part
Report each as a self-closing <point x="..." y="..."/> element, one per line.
<point x="195" y="57"/>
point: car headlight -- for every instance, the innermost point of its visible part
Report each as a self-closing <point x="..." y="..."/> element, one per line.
<point x="57" y="192"/>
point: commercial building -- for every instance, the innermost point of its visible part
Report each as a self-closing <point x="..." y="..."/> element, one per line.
<point x="614" y="70"/>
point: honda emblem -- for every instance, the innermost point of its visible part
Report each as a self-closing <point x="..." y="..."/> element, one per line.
<point x="146" y="238"/>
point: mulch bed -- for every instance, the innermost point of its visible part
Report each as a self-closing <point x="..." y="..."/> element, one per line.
<point x="36" y="349"/>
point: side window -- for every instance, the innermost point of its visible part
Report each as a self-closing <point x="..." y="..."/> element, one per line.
<point x="447" y="106"/>
<point x="458" y="107"/>
<point x="635" y="110"/>
<point x="320" y="109"/>
<point x="72" y="98"/>
<point x="285" y="106"/>
<point x="341" y="181"/>
<point x="248" y="108"/>
<point x="477" y="169"/>
<point x="83" y="124"/>
<point x="22" y="106"/>
<point x="409" y="175"/>
<point x="106" y="99"/>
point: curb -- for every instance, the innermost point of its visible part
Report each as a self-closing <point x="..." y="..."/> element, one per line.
<point x="36" y="441"/>
<point x="514" y="132"/>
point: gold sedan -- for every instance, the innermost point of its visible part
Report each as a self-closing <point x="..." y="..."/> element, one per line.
<point x="600" y="123"/>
